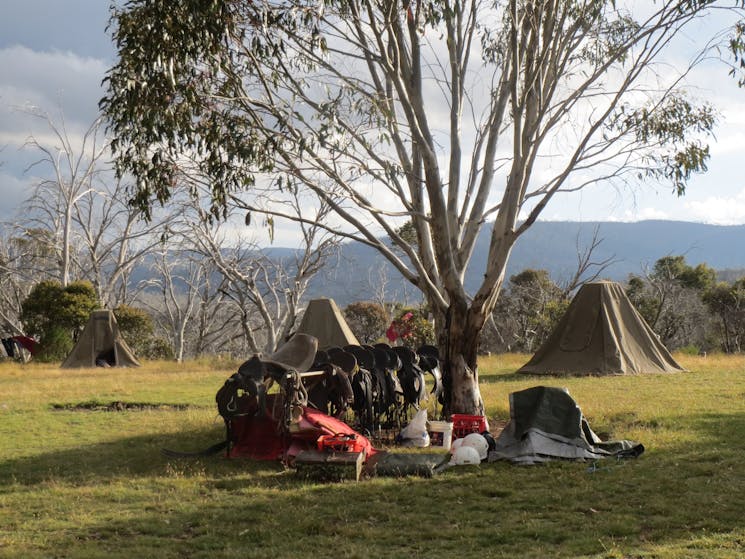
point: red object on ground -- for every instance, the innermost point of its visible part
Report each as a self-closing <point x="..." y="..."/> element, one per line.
<point x="258" y="437"/>
<point x="339" y="443"/>
<point x="465" y="424"/>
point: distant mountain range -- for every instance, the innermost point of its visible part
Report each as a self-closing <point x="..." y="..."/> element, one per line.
<point x="551" y="246"/>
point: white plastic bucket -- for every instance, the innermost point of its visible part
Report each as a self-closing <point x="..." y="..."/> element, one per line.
<point x="440" y="434"/>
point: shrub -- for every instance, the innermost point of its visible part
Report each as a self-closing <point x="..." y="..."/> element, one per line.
<point x="55" y="315"/>
<point x="367" y="320"/>
<point x="136" y="326"/>
<point x="411" y="328"/>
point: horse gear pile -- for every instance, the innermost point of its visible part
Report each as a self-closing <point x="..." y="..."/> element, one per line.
<point x="379" y="386"/>
<point x="387" y="383"/>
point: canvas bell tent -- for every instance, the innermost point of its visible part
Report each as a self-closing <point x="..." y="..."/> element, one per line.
<point x="324" y="320"/>
<point x="601" y="333"/>
<point x="101" y="344"/>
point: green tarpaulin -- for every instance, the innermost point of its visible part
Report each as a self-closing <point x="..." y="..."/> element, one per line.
<point x="547" y="424"/>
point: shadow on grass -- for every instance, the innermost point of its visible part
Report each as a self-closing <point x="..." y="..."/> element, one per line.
<point x="688" y="494"/>
<point x="128" y="456"/>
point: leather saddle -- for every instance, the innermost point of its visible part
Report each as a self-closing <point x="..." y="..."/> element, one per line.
<point x="256" y="373"/>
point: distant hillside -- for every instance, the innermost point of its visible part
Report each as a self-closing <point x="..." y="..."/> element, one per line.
<point x="552" y="246"/>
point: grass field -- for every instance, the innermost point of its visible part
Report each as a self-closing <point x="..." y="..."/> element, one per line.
<point x="92" y="483"/>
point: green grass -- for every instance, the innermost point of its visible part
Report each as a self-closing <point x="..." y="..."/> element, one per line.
<point x="94" y="484"/>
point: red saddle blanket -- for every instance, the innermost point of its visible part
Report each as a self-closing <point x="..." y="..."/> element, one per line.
<point x="259" y="436"/>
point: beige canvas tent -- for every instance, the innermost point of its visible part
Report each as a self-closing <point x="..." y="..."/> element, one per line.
<point x="601" y="333"/>
<point x="324" y="320"/>
<point x="101" y="344"/>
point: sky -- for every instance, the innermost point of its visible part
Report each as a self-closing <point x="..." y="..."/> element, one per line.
<point x="54" y="54"/>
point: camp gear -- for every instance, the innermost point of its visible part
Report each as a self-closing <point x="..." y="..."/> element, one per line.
<point x="339" y="443"/>
<point x="324" y="321"/>
<point x="411" y="377"/>
<point x="477" y="441"/>
<point x="547" y="424"/>
<point x="329" y="466"/>
<point x="463" y="424"/>
<point x="282" y="425"/>
<point x="415" y="433"/>
<point x="429" y="362"/>
<point x="332" y="394"/>
<point x="100" y="345"/>
<point x="601" y="333"/>
<point x="455" y="445"/>
<point x="398" y="464"/>
<point x="262" y="437"/>
<point x="253" y="375"/>
<point x="440" y="433"/>
<point x="465" y="455"/>
<point x="296" y="353"/>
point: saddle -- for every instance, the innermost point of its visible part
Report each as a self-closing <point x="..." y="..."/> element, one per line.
<point x="257" y="373"/>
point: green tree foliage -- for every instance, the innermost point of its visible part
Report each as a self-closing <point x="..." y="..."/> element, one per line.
<point x="670" y="301"/>
<point x="136" y="325"/>
<point x="727" y="302"/>
<point x="367" y="320"/>
<point x="56" y="314"/>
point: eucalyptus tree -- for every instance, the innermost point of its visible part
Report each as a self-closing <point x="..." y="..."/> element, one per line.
<point x="669" y="297"/>
<point x="456" y="116"/>
<point x="727" y="302"/>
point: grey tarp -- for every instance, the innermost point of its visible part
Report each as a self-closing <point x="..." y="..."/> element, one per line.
<point x="101" y="343"/>
<point x="546" y="424"/>
<point x="601" y="333"/>
<point x="324" y="320"/>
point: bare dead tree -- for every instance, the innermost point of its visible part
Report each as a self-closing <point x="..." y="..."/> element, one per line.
<point x="112" y="240"/>
<point x="178" y="277"/>
<point x="265" y="289"/>
<point x="15" y="281"/>
<point x="588" y="269"/>
<point x="71" y="166"/>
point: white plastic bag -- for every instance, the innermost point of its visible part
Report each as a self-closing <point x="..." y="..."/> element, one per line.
<point x="415" y="433"/>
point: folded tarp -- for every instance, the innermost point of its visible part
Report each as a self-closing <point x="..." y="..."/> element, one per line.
<point x="547" y="424"/>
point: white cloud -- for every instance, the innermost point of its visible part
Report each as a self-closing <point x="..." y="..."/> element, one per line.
<point x="718" y="210"/>
<point x="52" y="81"/>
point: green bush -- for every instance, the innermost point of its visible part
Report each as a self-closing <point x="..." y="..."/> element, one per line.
<point x="55" y="344"/>
<point x="367" y="320"/>
<point x="55" y="315"/>
<point x="136" y="326"/>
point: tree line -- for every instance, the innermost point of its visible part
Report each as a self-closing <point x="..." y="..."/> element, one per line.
<point x="210" y="289"/>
